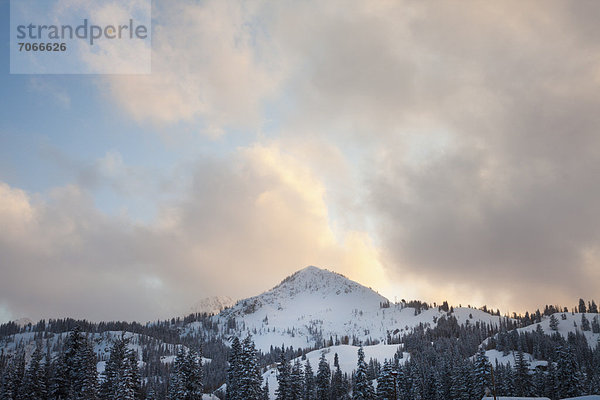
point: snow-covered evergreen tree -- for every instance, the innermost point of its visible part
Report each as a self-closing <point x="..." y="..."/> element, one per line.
<point x="337" y="380"/>
<point x="585" y="323"/>
<point x="121" y="374"/>
<point x="363" y="388"/>
<point x="296" y="383"/>
<point x="309" y="382"/>
<point x="34" y="382"/>
<point x="323" y="379"/>
<point x="521" y="375"/>
<point x="386" y="382"/>
<point x="234" y="371"/>
<point x="251" y="379"/>
<point x="283" y="379"/>
<point x="481" y="374"/>
<point x="553" y="323"/>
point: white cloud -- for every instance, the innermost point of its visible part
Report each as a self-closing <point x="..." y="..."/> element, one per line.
<point x="241" y="227"/>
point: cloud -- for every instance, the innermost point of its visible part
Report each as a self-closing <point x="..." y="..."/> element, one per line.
<point x="454" y="148"/>
<point x="473" y="128"/>
<point x="47" y="87"/>
<point x="242" y="225"/>
<point x="206" y="68"/>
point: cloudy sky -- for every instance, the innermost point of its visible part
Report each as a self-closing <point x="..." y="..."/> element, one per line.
<point x="430" y="150"/>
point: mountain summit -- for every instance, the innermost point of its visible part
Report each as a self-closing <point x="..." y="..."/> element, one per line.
<point x="315" y="305"/>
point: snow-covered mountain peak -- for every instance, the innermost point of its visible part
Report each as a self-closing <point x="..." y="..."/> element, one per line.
<point x="212" y="305"/>
<point x="312" y="279"/>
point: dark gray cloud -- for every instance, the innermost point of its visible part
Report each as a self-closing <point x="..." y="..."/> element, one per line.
<point x="476" y="129"/>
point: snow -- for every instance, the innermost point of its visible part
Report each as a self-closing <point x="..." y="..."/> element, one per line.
<point x="515" y="398"/>
<point x="212" y="305"/>
<point x="509" y="359"/>
<point x="572" y="323"/>
<point x="315" y="305"/>
<point x="347" y="356"/>
<point x="171" y="359"/>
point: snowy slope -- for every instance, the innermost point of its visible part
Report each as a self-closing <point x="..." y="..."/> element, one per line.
<point x="102" y="343"/>
<point x="516" y="398"/>
<point x="509" y="359"/>
<point x="347" y="356"/>
<point x="212" y="305"/>
<point x="571" y="323"/>
<point x="314" y="304"/>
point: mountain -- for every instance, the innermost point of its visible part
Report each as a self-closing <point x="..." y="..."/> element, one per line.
<point x="315" y="311"/>
<point x="212" y="305"/>
<point x="315" y="306"/>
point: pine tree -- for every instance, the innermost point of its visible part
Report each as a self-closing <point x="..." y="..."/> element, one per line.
<point x="585" y="323"/>
<point x="251" y="379"/>
<point x="121" y="374"/>
<point x="553" y="323"/>
<point x="595" y="325"/>
<point x="363" y="389"/>
<point x="88" y="387"/>
<point x="234" y="371"/>
<point x="193" y="378"/>
<point x="582" y="308"/>
<point x="386" y="383"/>
<point x="59" y="383"/>
<point x="296" y="383"/>
<point x="309" y="382"/>
<point x="337" y="380"/>
<point x="283" y="379"/>
<point x="112" y="369"/>
<point x="13" y="386"/>
<point x="481" y="373"/>
<point x="323" y="379"/>
<point x="568" y="376"/>
<point x="266" y="391"/>
<point x="593" y="308"/>
<point x="522" y="379"/>
<point x="176" y="384"/>
<point x="34" y="381"/>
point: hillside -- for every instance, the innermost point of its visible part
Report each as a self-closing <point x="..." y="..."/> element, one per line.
<point x="315" y="305"/>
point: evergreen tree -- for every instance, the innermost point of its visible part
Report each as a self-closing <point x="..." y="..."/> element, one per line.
<point x="553" y="323"/>
<point x="309" y="382"/>
<point x="251" y="379"/>
<point x="176" y="384"/>
<point x="34" y="382"/>
<point x="296" y="383"/>
<point x="386" y="383"/>
<point x="482" y="378"/>
<point x="363" y="388"/>
<point x="234" y="371"/>
<point x="337" y="380"/>
<point x="283" y="379"/>
<point x="194" y="386"/>
<point x="266" y="391"/>
<point x="121" y="374"/>
<point x="521" y="376"/>
<point x="585" y="323"/>
<point x="582" y="308"/>
<point x="568" y="376"/>
<point x="323" y="379"/>
<point x="12" y="388"/>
